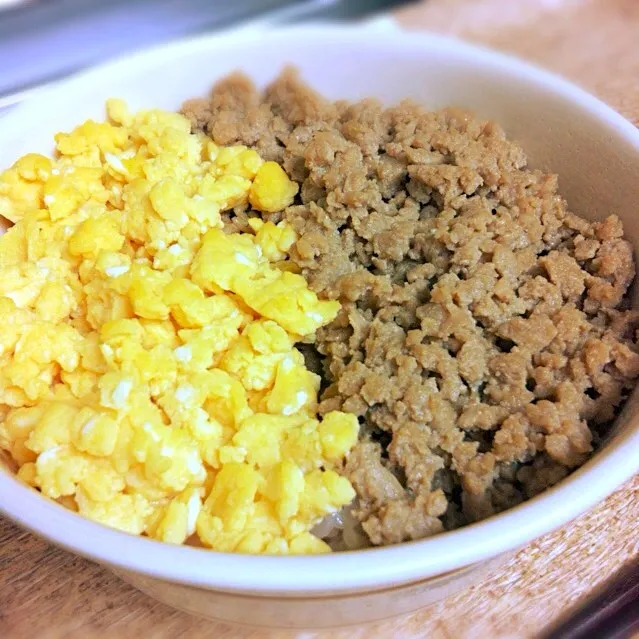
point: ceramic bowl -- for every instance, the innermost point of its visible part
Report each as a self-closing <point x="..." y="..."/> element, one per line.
<point x="563" y="129"/>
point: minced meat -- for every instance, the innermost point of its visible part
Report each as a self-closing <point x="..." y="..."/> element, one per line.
<point x="483" y="339"/>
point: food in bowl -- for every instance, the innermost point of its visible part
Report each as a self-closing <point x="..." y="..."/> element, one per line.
<point x="468" y="336"/>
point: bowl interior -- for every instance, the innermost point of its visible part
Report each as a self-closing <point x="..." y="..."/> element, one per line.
<point x="563" y="130"/>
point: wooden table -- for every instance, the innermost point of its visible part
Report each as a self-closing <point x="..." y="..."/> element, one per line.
<point x="47" y="593"/>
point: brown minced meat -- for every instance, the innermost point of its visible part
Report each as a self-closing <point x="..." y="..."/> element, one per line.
<point x="483" y="340"/>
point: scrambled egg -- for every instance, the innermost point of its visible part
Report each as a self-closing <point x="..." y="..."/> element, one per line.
<point x="148" y="373"/>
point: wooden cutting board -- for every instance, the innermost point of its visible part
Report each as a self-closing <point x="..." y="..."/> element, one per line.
<point x="47" y="593"/>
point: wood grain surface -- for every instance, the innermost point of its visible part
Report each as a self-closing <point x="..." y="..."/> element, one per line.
<point x="46" y="593"/>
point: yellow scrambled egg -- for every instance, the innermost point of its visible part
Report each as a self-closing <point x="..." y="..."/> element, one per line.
<point x="148" y="373"/>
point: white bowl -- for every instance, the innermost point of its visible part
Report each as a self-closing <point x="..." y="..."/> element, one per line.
<point x="563" y="129"/>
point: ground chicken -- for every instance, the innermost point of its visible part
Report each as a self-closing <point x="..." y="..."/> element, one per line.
<point x="483" y="340"/>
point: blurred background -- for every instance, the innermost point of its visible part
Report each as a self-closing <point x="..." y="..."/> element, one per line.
<point x="44" y="40"/>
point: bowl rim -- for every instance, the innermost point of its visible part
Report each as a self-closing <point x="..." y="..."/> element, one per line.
<point x="358" y="570"/>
